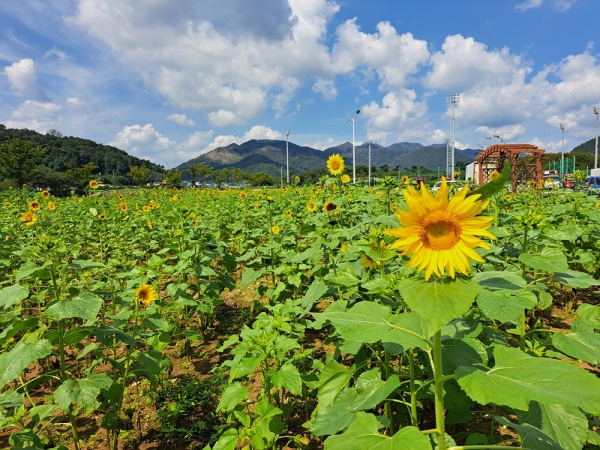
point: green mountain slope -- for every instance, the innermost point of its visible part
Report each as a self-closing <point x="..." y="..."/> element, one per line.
<point x="587" y="146"/>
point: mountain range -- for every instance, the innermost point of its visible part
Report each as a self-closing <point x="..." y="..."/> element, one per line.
<point x="269" y="156"/>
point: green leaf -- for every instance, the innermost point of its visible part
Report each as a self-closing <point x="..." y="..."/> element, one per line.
<point x="576" y="279"/>
<point x="11" y="399"/>
<point x="590" y="315"/>
<point x="531" y="437"/>
<point x="250" y="276"/>
<point x="518" y="378"/>
<point x="314" y="293"/>
<point x="365" y="322"/>
<point x="18" y="359"/>
<point x="13" y="295"/>
<point x="584" y="346"/>
<point x="287" y="377"/>
<point x="227" y="441"/>
<point x="566" y="425"/>
<point x="438" y="302"/>
<point x="27" y="271"/>
<point x="332" y="380"/>
<point x="85" y="306"/>
<point x="489" y="189"/>
<point x="84" y="264"/>
<point x="362" y="434"/>
<point x="411" y="322"/>
<point x="505" y="305"/>
<point x="550" y="260"/>
<point x="494" y="280"/>
<point x="232" y="395"/>
<point x="82" y="392"/>
<point x="344" y="277"/>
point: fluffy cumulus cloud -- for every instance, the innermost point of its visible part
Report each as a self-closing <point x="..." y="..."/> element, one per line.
<point x="22" y="77"/>
<point x="181" y="119"/>
<point x="38" y="116"/>
<point x="560" y="5"/>
<point x="143" y="141"/>
<point x="507" y="133"/>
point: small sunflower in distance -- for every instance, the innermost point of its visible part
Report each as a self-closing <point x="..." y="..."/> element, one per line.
<point x="289" y="213"/>
<point x="493" y="175"/>
<point x="275" y="229"/>
<point x="329" y="206"/>
<point x="441" y="233"/>
<point x="45" y="194"/>
<point x="51" y="206"/>
<point x="335" y="164"/>
<point x="123" y="206"/>
<point x="310" y="206"/>
<point x="405" y="180"/>
<point x="102" y="216"/>
<point x="345" y="178"/>
<point x="28" y="219"/>
<point x="146" y="294"/>
<point x="94" y="184"/>
<point x="34" y="205"/>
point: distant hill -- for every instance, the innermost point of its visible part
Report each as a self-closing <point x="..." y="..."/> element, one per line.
<point x="264" y="155"/>
<point x="587" y="146"/>
<point x="76" y="152"/>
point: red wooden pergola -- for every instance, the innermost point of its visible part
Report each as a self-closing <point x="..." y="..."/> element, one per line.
<point x="493" y="158"/>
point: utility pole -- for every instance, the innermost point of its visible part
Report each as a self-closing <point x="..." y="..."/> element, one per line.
<point x="454" y="99"/>
<point x="596" y="111"/>
<point x="287" y="156"/>
<point x="449" y="157"/>
<point x="354" y="149"/>
<point x="369" y="142"/>
<point x="562" y="159"/>
<point x="281" y="177"/>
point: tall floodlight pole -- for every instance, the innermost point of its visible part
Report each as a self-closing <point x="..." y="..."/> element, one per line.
<point x="354" y="149"/>
<point x="454" y="99"/>
<point x="448" y="156"/>
<point x="287" y="156"/>
<point x="369" y="142"/>
<point x="596" y="111"/>
<point x="562" y="159"/>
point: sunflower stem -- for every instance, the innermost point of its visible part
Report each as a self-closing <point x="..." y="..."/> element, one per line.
<point x="439" y="390"/>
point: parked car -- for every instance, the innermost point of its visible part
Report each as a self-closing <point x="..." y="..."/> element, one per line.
<point x="593" y="185"/>
<point x="438" y="185"/>
<point x="569" y="181"/>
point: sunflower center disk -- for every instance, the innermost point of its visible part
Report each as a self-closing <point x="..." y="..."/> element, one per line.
<point x="440" y="231"/>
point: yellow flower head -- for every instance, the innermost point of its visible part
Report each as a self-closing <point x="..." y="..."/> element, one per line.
<point x="243" y="195"/>
<point x="493" y="175"/>
<point x="34" y="205"/>
<point x="149" y="224"/>
<point x="405" y="180"/>
<point x="28" y="219"/>
<point x="275" y="229"/>
<point x="329" y="206"/>
<point x="146" y="208"/>
<point x="123" y="206"/>
<point x="289" y="213"/>
<point x="146" y="294"/>
<point x="335" y="164"/>
<point x="94" y="184"/>
<point x="45" y="194"/>
<point x="440" y="233"/>
<point x="310" y="206"/>
<point x="102" y="216"/>
<point x="531" y="183"/>
<point x="345" y="178"/>
<point x="369" y="263"/>
<point x="51" y="206"/>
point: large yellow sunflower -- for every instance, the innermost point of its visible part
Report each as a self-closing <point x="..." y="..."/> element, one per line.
<point x="28" y="219"/>
<point x="329" y="206"/>
<point x="146" y="294"/>
<point x="34" y="205"/>
<point x="345" y="178"/>
<point x="94" y="184"/>
<point x="335" y="164"/>
<point x="441" y="233"/>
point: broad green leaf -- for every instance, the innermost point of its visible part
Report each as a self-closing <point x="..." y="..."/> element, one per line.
<point x="314" y="293"/>
<point x="584" y="346"/>
<point x="250" y="276"/>
<point x="227" y="441"/>
<point x="364" y="322"/>
<point x="411" y="322"/>
<point x="438" y="302"/>
<point x="27" y="271"/>
<point x="552" y="260"/>
<point x="362" y="434"/>
<point x="462" y="352"/>
<point x="14" y="362"/>
<point x="332" y="380"/>
<point x="576" y="279"/>
<point x="531" y="438"/>
<point x="85" y="306"/>
<point x="287" y="377"/>
<point x="518" y="379"/>
<point x="566" y="425"/>
<point x="590" y="315"/>
<point x="11" y="399"/>
<point x="494" y="280"/>
<point x="13" y="295"/>
<point x="82" y="392"/>
<point x="232" y="395"/>
<point x="496" y="185"/>
<point x="26" y="439"/>
<point x="344" y="277"/>
<point x="505" y="305"/>
<point x="84" y="264"/>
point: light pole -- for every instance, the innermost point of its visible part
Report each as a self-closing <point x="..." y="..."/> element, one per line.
<point x="596" y="111"/>
<point x="562" y="159"/>
<point x="354" y="149"/>
<point x="369" y="142"/>
<point x="449" y="156"/>
<point x="454" y="99"/>
<point x="287" y="156"/>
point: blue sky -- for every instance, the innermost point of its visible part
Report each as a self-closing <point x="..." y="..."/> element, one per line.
<point x="168" y="80"/>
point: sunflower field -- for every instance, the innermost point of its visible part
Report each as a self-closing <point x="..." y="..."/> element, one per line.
<point x="337" y="317"/>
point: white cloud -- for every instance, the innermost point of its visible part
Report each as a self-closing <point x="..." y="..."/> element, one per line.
<point x="438" y="136"/>
<point x="22" y="77"/>
<point x="144" y="142"/>
<point x="326" y="88"/>
<point x="181" y="119"/>
<point x="529" y="4"/>
<point x="34" y="115"/>
<point x="507" y="132"/>
<point x="560" y="5"/>
<point x="57" y="53"/>
<point x="256" y="132"/>
<point x="322" y="145"/>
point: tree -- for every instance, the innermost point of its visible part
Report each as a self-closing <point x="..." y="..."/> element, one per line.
<point x="173" y="176"/>
<point x="139" y="174"/>
<point x="205" y="170"/>
<point x="19" y="160"/>
<point x="54" y="133"/>
<point x="194" y="172"/>
<point x="219" y="177"/>
<point x="238" y="175"/>
<point x="81" y="176"/>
